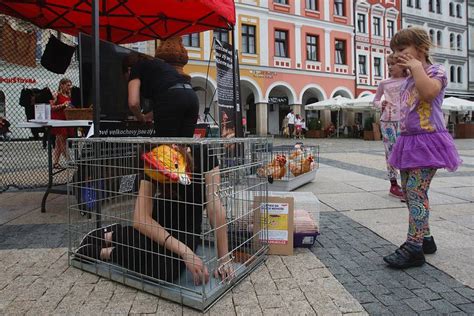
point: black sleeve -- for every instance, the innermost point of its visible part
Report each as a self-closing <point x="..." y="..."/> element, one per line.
<point x="210" y="158"/>
<point x="137" y="70"/>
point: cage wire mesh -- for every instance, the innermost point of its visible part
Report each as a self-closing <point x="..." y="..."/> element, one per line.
<point x="155" y="209"/>
<point x="23" y="161"/>
<point x="287" y="162"/>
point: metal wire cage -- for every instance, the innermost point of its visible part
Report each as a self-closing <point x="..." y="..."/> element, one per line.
<point x="290" y="167"/>
<point x="173" y="217"/>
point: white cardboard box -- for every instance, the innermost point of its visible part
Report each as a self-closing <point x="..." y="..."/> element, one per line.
<point x="42" y="112"/>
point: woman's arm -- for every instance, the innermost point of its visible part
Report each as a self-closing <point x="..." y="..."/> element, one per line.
<point x="216" y="211"/>
<point x="134" y="99"/>
<point x="143" y="222"/>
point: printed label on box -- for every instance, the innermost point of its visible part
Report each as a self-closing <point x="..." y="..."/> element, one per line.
<point x="277" y="222"/>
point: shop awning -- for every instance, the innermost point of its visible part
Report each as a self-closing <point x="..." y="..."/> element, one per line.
<point x="125" y="21"/>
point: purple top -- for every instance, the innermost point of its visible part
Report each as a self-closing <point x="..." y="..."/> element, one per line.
<point x="390" y="89"/>
<point x="419" y="117"/>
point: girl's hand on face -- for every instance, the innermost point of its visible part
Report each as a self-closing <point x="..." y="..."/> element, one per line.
<point x="407" y="61"/>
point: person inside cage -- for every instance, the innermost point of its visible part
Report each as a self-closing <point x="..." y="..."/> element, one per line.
<point x="175" y="103"/>
<point x="167" y="221"/>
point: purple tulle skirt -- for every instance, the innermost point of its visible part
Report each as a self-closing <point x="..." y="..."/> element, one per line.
<point x="427" y="150"/>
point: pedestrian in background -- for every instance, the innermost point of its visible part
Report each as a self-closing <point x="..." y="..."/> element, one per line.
<point x="291" y="122"/>
<point x="424" y="145"/>
<point x="390" y="117"/>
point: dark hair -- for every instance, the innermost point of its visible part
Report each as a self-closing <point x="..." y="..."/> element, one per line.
<point x="131" y="59"/>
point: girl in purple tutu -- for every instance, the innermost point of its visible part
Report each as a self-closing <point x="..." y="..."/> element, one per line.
<point x="424" y="145"/>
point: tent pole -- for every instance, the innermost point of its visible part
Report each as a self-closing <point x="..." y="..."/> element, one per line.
<point x="234" y="89"/>
<point x="337" y="127"/>
<point x="95" y="66"/>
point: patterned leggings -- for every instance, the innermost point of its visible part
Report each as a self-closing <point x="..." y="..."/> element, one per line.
<point x="390" y="131"/>
<point x="415" y="185"/>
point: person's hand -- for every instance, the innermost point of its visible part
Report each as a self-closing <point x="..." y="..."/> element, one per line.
<point x="148" y="117"/>
<point x="197" y="268"/>
<point x="225" y="271"/>
<point x="407" y="61"/>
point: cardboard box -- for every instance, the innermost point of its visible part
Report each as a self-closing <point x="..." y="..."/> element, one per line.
<point x="42" y="112"/>
<point x="278" y="214"/>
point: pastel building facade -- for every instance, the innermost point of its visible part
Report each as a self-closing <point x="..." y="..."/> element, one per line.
<point x="446" y="23"/>
<point x="291" y="53"/>
<point x="376" y="21"/>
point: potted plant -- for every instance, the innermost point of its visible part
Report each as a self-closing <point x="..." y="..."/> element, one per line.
<point x="314" y="129"/>
<point x="368" y="128"/>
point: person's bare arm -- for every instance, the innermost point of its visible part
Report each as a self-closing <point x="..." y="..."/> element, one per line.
<point x="143" y="222"/>
<point x="134" y="99"/>
<point x="217" y="218"/>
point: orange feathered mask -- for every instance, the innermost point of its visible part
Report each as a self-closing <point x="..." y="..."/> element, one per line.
<point x="167" y="164"/>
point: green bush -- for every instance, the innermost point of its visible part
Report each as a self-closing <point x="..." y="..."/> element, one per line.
<point x="368" y="123"/>
<point x="314" y="125"/>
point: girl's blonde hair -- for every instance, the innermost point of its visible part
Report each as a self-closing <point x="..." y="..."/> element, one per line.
<point x="63" y="81"/>
<point x="391" y="58"/>
<point x="416" y="36"/>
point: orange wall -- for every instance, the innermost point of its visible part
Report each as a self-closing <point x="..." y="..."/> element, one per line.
<point x="276" y="25"/>
<point x="313" y="31"/>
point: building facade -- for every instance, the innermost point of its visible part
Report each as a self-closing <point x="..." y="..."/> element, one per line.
<point x="291" y="53"/>
<point x="376" y="21"/>
<point x="470" y="40"/>
<point x="446" y="23"/>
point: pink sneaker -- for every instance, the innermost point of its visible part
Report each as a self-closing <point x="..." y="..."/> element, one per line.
<point x="396" y="191"/>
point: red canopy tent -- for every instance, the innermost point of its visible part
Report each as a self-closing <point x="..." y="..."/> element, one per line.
<point x="125" y="21"/>
<point x="122" y="21"/>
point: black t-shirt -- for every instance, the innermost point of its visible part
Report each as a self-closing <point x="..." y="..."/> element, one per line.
<point x="155" y="76"/>
<point x="182" y="217"/>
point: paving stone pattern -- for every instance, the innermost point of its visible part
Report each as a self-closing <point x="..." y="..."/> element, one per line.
<point x="353" y="254"/>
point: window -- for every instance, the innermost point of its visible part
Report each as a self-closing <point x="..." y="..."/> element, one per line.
<point x="376" y="26"/>
<point x="459" y="42"/>
<point x="191" y="40"/>
<point x="362" y="65"/>
<point x="312" y="5"/>
<point x="439" y="38"/>
<point x="459" y="74"/>
<point x="312" y="47"/>
<point x="361" y="23"/>
<point x="438" y="6"/>
<point x="451" y="9"/>
<point x="410" y="3"/>
<point x="248" y="39"/>
<point x="451" y="41"/>
<point x="458" y="11"/>
<point x="340" y="49"/>
<point x="281" y="43"/>
<point x="417" y="4"/>
<point x="281" y="1"/>
<point x="452" y="75"/>
<point x="222" y="35"/>
<point x="430" y="5"/>
<point x="432" y="36"/>
<point x="390" y="28"/>
<point x="339" y="7"/>
<point x="377" y="67"/>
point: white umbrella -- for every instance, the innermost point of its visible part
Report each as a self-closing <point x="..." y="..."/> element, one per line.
<point x="363" y="103"/>
<point x="333" y="104"/>
<point x="457" y="104"/>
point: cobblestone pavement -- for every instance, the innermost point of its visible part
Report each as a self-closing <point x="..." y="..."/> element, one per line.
<point x="342" y="274"/>
<point x="352" y="253"/>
